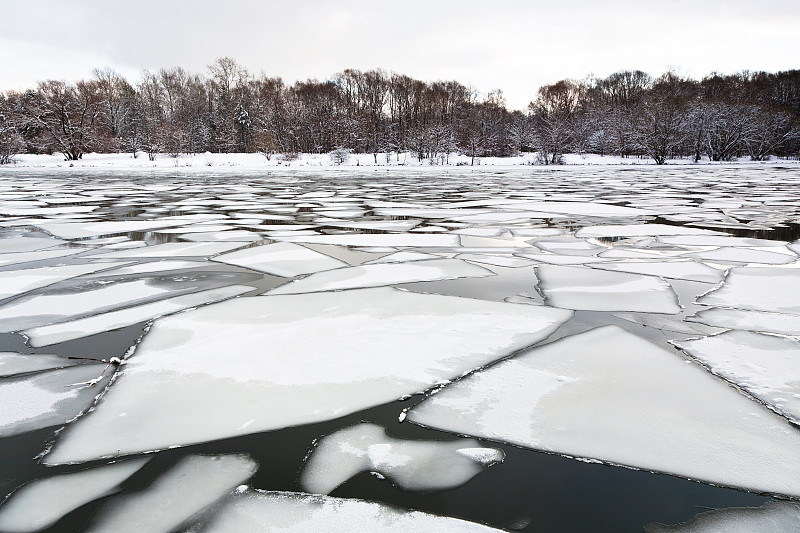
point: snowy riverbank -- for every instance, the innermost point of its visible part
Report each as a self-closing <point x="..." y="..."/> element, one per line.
<point x="121" y="161"/>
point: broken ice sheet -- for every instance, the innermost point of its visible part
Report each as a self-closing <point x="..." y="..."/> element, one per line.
<point x="766" y="366"/>
<point x="48" y="399"/>
<point x="772" y="517"/>
<point x="259" y="511"/>
<point x="596" y="290"/>
<point x="66" y="331"/>
<point x="376" y="275"/>
<point x="176" y="249"/>
<point x="640" y="230"/>
<point x="420" y="240"/>
<point x="762" y="321"/>
<point x="745" y="255"/>
<point x="189" y="487"/>
<point x="15" y="282"/>
<point x="759" y="289"/>
<point x="409" y="464"/>
<point x="680" y="269"/>
<point x="43" y="502"/>
<point x="609" y="395"/>
<point x="281" y="259"/>
<point x="39" y="255"/>
<point x="268" y="362"/>
<point x="12" y="363"/>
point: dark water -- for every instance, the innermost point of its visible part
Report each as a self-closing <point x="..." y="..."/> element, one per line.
<point x="530" y="491"/>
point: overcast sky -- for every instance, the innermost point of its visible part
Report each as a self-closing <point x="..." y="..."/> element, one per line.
<point x="513" y="45"/>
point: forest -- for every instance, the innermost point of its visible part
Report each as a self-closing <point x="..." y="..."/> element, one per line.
<point x="229" y="109"/>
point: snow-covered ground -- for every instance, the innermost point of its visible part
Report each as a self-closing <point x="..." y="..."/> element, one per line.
<point x="315" y="161"/>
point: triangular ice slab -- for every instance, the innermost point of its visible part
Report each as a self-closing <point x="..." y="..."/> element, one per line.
<point x="607" y="394"/>
<point x="268" y="362"/>
<point x="766" y="366"/>
<point x="256" y="512"/>
<point x="281" y="259"/>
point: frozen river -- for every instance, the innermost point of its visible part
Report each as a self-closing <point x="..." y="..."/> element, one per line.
<point x="550" y="350"/>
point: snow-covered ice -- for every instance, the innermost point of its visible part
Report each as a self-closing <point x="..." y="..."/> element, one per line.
<point x="75" y="329"/>
<point x="766" y="366"/>
<point x="679" y="269"/>
<point x="49" y="398"/>
<point x="761" y="321"/>
<point x="281" y="259"/>
<point x="772" y="517"/>
<point x="267" y="362"/>
<point x="609" y="395"/>
<point x="12" y="363"/>
<point x="189" y="487"/>
<point x="257" y="511"/>
<point x="43" y="502"/>
<point x="377" y="275"/>
<point x="409" y="464"/>
<point x="758" y="289"/>
<point x="16" y="282"/>
<point x="589" y="289"/>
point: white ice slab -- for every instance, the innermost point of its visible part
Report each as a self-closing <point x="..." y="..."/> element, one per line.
<point x="640" y="230"/>
<point x="401" y="257"/>
<point x="608" y="395"/>
<point x="27" y="244"/>
<point x="749" y="320"/>
<point x="556" y="259"/>
<point x="267" y="362"/>
<point x="766" y="366"/>
<point x="39" y="255"/>
<point x="281" y="259"/>
<point x="43" y="502"/>
<point x="595" y="290"/>
<point x="15" y="282"/>
<point x="256" y="512"/>
<point x="744" y="255"/>
<point x="40" y="309"/>
<point x="12" y="363"/>
<point x="759" y="289"/>
<point x="164" y="265"/>
<point x="66" y="331"/>
<point x="240" y="236"/>
<point x="415" y="240"/>
<point x="681" y="269"/>
<point x="720" y="240"/>
<point x="377" y="275"/>
<point x="772" y="517"/>
<point x="567" y="246"/>
<point x="176" y="249"/>
<point x="585" y="209"/>
<point x="189" y="487"/>
<point x="409" y="464"/>
<point x="496" y="260"/>
<point x="47" y="399"/>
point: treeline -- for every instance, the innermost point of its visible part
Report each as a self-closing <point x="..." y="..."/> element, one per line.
<point x="229" y="109"/>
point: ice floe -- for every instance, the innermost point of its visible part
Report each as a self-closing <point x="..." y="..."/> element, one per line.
<point x="608" y="395"/>
<point x="267" y="362"/>
<point x="596" y="290"/>
<point x="772" y="517"/>
<point x="43" y="502"/>
<point x="27" y="244"/>
<point x="176" y="249"/>
<point x="12" y="363"/>
<point x="409" y="464"/>
<point x="640" y="230"/>
<point x="48" y="399"/>
<point x="16" y="282"/>
<point x="188" y="488"/>
<point x="758" y="289"/>
<point x="66" y="331"/>
<point x="766" y="366"/>
<point x="680" y="269"/>
<point x="281" y="259"/>
<point x="257" y="511"/>
<point x="745" y="255"/>
<point x="39" y="255"/>
<point x="761" y="321"/>
<point x="376" y="275"/>
<point x="414" y="240"/>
